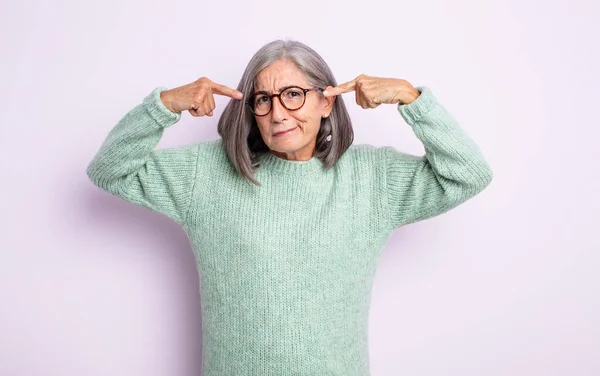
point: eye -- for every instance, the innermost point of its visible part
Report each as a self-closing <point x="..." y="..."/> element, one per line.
<point x="261" y="98"/>
<point x="293" y="93"/>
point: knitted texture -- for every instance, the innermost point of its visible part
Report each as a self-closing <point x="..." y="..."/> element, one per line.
<point x="286" y="269"/>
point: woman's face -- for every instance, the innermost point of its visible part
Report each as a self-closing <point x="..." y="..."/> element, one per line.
<point x="299" y="143"/>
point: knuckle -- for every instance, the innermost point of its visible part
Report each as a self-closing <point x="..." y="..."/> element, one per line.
<point x="204" y="82"/>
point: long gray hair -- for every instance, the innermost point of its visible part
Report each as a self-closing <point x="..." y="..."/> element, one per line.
<point x="237" y="126"/>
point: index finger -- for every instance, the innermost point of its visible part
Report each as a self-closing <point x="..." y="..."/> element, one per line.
<point x="224" y="90"/>
<point x="341" y="89"/>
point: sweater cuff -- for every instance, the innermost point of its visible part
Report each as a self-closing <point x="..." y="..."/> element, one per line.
<point x="163" y="116"/>
<point x="419" y="107"/>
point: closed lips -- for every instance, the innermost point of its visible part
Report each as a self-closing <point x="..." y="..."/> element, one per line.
<point x="283" y="131"/>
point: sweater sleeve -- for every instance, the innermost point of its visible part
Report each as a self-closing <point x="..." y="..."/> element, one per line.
<point x="127" y="166"/>
<point x="451" y="171"/>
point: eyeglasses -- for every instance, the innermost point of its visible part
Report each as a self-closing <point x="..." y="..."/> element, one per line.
<point x="292" y="98"/>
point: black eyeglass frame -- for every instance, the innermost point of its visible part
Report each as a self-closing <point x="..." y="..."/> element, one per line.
<point x="250" y="101"/>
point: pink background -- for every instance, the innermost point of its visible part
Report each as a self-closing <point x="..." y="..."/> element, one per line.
<point x="505" y="284"/>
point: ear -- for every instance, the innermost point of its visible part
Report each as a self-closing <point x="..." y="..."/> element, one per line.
<point x="329" y="102"/>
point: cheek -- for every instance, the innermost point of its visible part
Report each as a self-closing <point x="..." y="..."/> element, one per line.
<point x="263" y="128"/>
<point x="308" y="119"/>
<point x="262" y="124"/>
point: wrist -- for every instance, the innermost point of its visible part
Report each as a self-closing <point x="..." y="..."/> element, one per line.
<point x="413" y="95"/>
<point x="165" y="99"/>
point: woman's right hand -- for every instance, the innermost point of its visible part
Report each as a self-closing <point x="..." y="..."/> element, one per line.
<point x="197" y="97"/>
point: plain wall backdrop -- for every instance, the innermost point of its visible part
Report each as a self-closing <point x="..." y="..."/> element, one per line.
<point x="506" y="284"/>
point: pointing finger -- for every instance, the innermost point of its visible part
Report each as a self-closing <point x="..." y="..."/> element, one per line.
<point x="224" y="90"/>
<point x="341" y="89"/>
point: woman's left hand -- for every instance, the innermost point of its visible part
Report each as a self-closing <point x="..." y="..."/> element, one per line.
<point x="373" y="91"/>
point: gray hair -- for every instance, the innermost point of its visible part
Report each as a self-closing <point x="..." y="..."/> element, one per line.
<point x="237" y="126"/>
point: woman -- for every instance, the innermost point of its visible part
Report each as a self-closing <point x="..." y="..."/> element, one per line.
<point x="286" y="217"/>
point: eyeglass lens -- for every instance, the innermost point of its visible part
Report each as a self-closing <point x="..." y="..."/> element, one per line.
<point x="292" y="98"/>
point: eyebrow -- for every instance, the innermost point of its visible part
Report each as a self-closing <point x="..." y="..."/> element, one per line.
<point x="280" y="90"/>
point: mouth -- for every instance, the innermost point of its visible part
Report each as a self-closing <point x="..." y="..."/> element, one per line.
<point x="285" y="132"/>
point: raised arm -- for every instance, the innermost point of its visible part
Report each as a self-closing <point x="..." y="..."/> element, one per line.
<point x="162" y="180"/>
<point x="451" y="171"/>
<point x="127" y="166"/>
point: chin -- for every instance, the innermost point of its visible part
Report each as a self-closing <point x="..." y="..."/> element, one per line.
<point x="284" y="149"/>
<point x="287" y="145"/>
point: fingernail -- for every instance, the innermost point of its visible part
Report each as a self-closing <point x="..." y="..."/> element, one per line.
<point x="325" y="92"/>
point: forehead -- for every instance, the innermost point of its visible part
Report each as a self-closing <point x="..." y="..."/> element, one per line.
<point x="279" y="74"/>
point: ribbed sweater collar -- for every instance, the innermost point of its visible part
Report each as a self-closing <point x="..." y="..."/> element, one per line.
<point x="276" y="165"/>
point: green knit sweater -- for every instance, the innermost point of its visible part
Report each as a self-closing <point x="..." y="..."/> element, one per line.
<point x="286" y="269"/>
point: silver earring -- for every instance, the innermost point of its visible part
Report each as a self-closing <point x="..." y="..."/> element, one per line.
<point x="328" y="138"/>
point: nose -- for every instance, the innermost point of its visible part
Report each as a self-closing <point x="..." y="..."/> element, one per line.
<point x="278" y="112"/>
